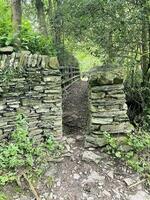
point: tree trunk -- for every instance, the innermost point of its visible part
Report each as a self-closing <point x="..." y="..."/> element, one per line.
<point x="41" y="17"/>
<point x="51" y="14"/>
<point x="58" y="32"/>
<point x="145" y="42"/>
<point x="16" y="19"/>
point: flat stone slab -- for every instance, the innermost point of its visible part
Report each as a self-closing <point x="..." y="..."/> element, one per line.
<point x="8" y="49"/>
<point x="90" y="156"/>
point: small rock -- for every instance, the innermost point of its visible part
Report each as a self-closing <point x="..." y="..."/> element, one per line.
<point x="51" y="171"/>
<point x="106" y="193"/>
<point x="94" y="176"/>
<point x="46" y="195"/>
<point x="22" y="197"/>
<point x="92" y="180"/>
<point x="90" y="156"/>
<point x="67" y="147"/>
<point x="132" y="180"/>
<point x="76" y="176"/>
<point x="91" y="149"/>
<point x="58" y="183"/>
<point x="71" y="140"/>
<point x="140" y="195"/>
<point x="90" y="198"/>
<point x="111" y="174"/>
<point x="1" y="90"/>
<point x="79" y="137"/>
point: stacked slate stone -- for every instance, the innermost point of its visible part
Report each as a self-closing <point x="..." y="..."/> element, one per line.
<point x="30" y="84"/>
<point x="107" y="107"/>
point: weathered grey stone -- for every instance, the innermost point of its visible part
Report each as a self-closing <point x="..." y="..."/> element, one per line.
<point x="42" y="110"/>
<point x="53" y="62"/>
<point x="97" y="132"/>
<point x="14" y="105"/>
<point x="52" y="78"/>
<point x="140" y="195"/>
<point x="107" y="88"/>
<point x="90" y="156"/>
<point x="95" y="108"/>
<point x="98" y="95"/>
<point x="124" y="118"/>
<point x="124" y="106"/>
<point x="109" y="102"/>
<point x="116" y="96"/>
<point x="106" y="76"/>
<point x="131" y="180"/>
<point x="1" y="90"/>
<point x="2" y="107"/>
<point x="39" y="88"/>
<point x="53" y="92"/>
<point x="95" y="127"/>
<point x="101" y="121"/>
<point x="1" y="132"/>
<point x="3" y="123"/>
<point x="9" y="114"/>
<point x="112" y="113"/>
<point x="125" y="127"/>
<point x="96" y="140"/>
<point x="7" y="49"/>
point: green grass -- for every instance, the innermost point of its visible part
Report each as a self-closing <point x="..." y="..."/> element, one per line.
<point x="87" y="61"/>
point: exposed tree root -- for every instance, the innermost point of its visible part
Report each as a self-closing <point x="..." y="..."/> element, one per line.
<point x="31" y="187"/>
<point x="135" y="184"/>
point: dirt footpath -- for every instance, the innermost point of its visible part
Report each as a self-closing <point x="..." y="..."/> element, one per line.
<point x="75" y="108"/>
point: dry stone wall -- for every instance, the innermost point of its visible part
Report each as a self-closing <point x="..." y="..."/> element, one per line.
<point x="30" y="84"/>
<point x="108" y="107"/>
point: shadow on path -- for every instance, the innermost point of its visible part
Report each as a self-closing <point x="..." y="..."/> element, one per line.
<point x="75" y="108"/>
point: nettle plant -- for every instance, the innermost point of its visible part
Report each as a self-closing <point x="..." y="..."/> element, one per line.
<point x="134" y="149"/>
<point x="21" y="153"/>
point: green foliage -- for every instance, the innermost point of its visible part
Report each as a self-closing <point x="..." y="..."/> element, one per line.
<point x="21" y="152"/>
<point x="29" y="39"/>
<point x="5" y="22"/>
<point x="106" y="25"/>
<point x="54" y="147"/>
<point x="35" y="42"/>
<point x="86" y="60"/>
<point x="133" y="149"/>
<point x="3" y="196"/>
<point x="146" y="96"/>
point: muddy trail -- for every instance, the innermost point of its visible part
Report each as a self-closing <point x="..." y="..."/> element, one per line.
<point x="75" y="108"/>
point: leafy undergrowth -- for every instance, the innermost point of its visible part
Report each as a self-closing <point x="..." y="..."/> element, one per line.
<point x="134" y="149"/>
<point x="21" y="156"/>
<point x="3" y="196"/>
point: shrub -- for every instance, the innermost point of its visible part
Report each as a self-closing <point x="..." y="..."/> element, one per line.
<point x="30" y="40"/>
<point x="133" y="149"/>
<point x="21" y="152"/>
